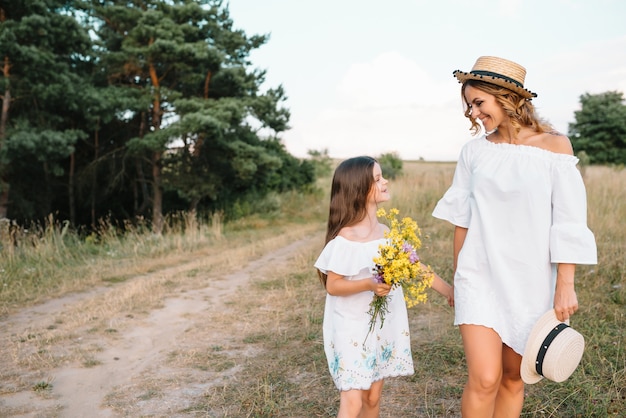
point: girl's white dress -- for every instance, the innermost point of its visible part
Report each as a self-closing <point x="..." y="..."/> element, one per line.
<point x="526" y="211"/>
<point x="387" y="351"/>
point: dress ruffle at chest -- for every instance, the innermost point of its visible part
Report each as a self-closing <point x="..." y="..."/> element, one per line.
<point x="347" y="258"/>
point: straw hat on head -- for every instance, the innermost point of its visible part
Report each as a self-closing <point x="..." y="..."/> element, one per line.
<point x="498" y="71"/>
<point x="553" y="350"/>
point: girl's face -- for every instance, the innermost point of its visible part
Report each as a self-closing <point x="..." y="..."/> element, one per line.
<point x="379" y="192"/>
<point x="484" y="107"/>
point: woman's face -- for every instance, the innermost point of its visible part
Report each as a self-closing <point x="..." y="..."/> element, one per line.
<point x="485" y="108"/>
<point x="379" y="192"/>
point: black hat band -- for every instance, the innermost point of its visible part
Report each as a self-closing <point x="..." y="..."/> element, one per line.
<point x="545" y="344"/>
<point x="496" y="75"/>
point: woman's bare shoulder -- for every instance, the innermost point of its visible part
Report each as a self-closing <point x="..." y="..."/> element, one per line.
<point x="554" y="141"/>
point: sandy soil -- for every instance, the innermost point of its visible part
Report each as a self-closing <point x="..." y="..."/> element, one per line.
<point x="131" y="363"/>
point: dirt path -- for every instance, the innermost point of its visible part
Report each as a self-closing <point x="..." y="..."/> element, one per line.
<point x="131" y="359"/>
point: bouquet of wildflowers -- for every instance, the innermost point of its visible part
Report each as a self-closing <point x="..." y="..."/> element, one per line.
<point x="398" y="264"/>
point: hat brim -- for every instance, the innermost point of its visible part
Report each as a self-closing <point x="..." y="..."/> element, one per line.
<point x="501" y="82"/>
<point x="559" y="372"/>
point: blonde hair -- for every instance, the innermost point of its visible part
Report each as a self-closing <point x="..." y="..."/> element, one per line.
<point x="520" y="110"/>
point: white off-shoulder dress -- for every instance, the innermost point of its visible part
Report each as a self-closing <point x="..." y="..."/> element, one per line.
<point x="387" y="350"/>
<point x="526" y="211"/>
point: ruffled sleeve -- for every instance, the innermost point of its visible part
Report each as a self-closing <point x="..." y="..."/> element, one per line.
<point x="454" y="206"/>
<point x="347" y="258"/>
<point x="571" y="241"/>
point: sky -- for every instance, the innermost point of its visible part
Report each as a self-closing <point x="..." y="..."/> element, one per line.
<point x="366" y="77"/>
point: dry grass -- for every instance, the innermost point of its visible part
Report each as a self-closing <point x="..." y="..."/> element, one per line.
<point x="260" y="353"/>
<point x="291" y="378"/>
<point x="101" y="312"/>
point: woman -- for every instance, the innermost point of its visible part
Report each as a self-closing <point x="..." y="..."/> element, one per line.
<point x="518" y="204"/>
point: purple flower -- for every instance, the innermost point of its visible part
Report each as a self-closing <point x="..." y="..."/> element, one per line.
<point x="408" y="248"/>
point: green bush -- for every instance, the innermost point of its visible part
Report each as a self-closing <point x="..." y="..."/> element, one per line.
<point x="391" y="165"/>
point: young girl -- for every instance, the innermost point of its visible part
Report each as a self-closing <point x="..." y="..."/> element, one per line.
<point x="359" y="365"/>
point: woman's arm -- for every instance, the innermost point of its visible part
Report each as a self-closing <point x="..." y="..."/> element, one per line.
<point x="459" y="238"/>
<point x="337" y="285"/>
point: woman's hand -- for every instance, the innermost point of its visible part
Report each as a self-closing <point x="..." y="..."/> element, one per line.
<point x="565" y="300"/>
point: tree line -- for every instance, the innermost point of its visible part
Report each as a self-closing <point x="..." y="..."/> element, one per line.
<point x="598" y="133"/>
<point x="122" y="109"/>
<point x="134" y="108"/>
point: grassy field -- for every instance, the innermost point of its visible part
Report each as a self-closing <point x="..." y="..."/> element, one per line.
<point x="280" y="317"/>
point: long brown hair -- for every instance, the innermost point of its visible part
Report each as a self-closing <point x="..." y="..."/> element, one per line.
<point x="352" y="182"/>
<point x="520" y="110"/>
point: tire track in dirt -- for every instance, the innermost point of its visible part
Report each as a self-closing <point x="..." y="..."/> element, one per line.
<point x="79" y="392"/>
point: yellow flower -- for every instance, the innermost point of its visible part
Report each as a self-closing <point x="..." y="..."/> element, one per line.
<point x="397" y="264"/>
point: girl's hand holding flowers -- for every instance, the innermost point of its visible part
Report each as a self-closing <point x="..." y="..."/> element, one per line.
<point x="397" y="264"/>
<point x="380" y="289"/>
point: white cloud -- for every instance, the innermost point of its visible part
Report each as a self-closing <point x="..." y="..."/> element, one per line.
<point x="392" y="104"/>
<point x="389" y="104"/>
<point x="593" y="68"/>
<point x="348" y="95"/>
<point x="510" y="8"/>
<point x="389" y="80"/>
